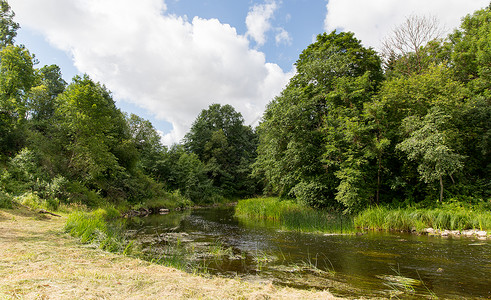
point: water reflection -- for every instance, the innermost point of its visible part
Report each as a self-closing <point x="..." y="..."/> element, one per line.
<point x="373" y="264"/>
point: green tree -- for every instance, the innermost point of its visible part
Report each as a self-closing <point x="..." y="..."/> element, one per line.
<point x="17" y="76"/>
<point x="301" y="142"/>
<point x="8" y="28"/>
<point x="470" y="47"/>
<point x="430" y="145"/>
<point x="220" y="139"/>
<point x="92" y="133"/>
<point x="148" y="144"/>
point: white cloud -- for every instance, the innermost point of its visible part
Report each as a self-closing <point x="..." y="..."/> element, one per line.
<point x="372" y="20"/>
<point x="283" y="37"/>
<point x="258" y="21"/>
<point x="168" y="65"/>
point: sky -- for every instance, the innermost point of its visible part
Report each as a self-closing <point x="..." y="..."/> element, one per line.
<point x="166" y="60"/>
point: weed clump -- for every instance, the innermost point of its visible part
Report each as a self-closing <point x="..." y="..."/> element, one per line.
<point x="100" y="228"/>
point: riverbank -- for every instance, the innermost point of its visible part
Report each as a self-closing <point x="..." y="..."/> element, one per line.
<point x="39" y="261"/>
<point x="442" y="221"/>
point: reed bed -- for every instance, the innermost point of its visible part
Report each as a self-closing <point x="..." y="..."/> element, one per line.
<point x="417" y="219"/>
<point x="293" y="216"/>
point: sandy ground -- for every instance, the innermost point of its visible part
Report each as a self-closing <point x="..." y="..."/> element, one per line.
<point x="39" y="261"/>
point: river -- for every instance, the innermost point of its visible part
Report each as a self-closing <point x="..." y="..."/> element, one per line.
<point x="373" y="264"/>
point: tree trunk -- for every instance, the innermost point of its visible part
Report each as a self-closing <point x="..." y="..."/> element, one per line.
<point x="378" y="178"/>
<point x="441" y="189"/>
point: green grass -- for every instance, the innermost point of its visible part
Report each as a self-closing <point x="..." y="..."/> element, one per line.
<point x="417" y="219"/>
<point x="99" y="228"/>
<point x="293" y="216"/>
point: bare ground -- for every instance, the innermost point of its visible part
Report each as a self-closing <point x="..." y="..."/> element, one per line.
<point x="39" y="261"/>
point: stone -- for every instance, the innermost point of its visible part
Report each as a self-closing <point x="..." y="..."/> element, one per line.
<point x="430" y="230"/>
<point x="481" y="233"/>
<point x="445" y="233"/>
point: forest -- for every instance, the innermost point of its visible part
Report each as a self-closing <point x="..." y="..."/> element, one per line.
<point x="353" y="129"/>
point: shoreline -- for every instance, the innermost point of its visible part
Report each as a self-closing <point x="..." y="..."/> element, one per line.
<point x="39" y="260"/>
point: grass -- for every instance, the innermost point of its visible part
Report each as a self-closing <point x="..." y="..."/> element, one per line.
<point x="417" y="219"/>
<point x="293" y="216"/>
<point x="99" y="228"/>
<point x="39" y="261"/>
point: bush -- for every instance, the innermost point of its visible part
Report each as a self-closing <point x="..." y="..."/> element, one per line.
<point x="33" y="201"/>
<point x="313" y="194"/>
<point x="5" y="201"/>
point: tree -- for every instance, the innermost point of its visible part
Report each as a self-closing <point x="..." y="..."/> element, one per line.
<point x="220" y="139"/>
<point x="405" y="45"/>
<point x="17" y="77"/>
<point x="470" y="48"/>
<point x="148" y="144"/>
<point x="92" y="132"/>
<point x="301" y="142"/>
<point x="8" y="28"/>
<point x="430" y="145"/>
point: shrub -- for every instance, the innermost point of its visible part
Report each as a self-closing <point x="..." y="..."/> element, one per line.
<point x="5" y="200"/>
<point x="311" y="193"/>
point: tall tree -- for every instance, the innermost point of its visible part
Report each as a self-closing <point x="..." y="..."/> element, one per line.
<point x="8" y="28"/>
<point x="92" y="132"/>
<point x="405" y="46"/>
<point x="430" y="145"/>
<point x="17" y="77"/>
<point x="227" y="147"/>
<point x="299" y="136"/>
<point x="471" y="51"/>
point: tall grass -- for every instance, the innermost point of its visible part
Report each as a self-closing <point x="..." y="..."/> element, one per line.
<point x="417" y="219"/>
<point x="293" y="216"/>
<point x="100" y="228"/>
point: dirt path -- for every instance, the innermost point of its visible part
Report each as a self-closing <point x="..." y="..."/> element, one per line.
<point x="39" y="261"/>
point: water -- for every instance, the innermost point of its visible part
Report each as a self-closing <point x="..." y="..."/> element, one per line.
<point x="372" y="265"/>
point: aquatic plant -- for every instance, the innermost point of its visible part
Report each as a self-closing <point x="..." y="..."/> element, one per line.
<point x="293" y="216"/>
<point x="417" y="219"/>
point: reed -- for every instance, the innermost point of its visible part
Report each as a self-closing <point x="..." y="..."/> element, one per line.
<point x="293" y="216"/>
<point x="417" y="219"/>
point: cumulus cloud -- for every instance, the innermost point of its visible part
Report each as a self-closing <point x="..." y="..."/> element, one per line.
<point x="168" y="65"/>
<point x="258" y="21"/>
<point x="372" y="20"/>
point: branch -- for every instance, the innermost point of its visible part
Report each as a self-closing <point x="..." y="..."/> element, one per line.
<point x="43" y="211"/>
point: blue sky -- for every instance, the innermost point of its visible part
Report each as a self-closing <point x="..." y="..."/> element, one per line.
<point x="166" y="60"/>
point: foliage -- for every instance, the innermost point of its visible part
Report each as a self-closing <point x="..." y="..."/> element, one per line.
<point x="430" y="144"/>
<point x="226" y="146"/>
<point x="470" y="48"/>
<point x="8" y="28"/>
<point x="17" y="76"/>
<point x="6" y="200"/>
<point x="299" y="139"/>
